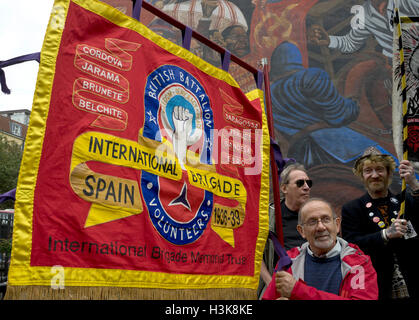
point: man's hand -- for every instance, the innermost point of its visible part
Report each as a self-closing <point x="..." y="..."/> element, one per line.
<point x="317" y="35"/>
<point x="397" y="229"/>
<point x="407" y="172"/>
<point x="285" y="283"/>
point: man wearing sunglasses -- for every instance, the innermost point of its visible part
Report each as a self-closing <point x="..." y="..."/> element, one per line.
<point x="373" y="222"/>
<point x="326" y="267"/>
<point x="295" y="187"/>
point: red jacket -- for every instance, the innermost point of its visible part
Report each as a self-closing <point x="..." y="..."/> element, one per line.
<point x="359" y="279"/>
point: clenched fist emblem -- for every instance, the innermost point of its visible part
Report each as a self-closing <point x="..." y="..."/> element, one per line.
<point x="182" y="121"/>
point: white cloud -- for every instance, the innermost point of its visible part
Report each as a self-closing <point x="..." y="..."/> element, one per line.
<point x="22" y="29"/>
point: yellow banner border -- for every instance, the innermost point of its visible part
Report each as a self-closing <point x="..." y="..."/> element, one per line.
<point x="23" y="220"/>
<point x="264" y="184"/>
<point x="21" y="272"/>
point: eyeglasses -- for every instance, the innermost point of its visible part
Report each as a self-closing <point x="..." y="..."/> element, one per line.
<point x="300" y="183"/>
<point x="313" y="222"/>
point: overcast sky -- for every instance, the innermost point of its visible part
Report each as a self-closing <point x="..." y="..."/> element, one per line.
<point x="22" y="28"/>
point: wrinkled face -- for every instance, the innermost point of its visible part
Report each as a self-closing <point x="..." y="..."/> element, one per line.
<point x="319" y="227"/>
<point x="293" y="193"/>
<point x="238" y="41"/>
<point x="375" y="176"/>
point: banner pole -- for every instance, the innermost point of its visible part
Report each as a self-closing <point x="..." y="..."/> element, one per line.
<point x="274" y="167"/>
<point x="136" y="9"/>
<point x="404" y="103"/>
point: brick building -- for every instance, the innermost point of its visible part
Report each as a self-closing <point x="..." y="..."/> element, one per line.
<point x="14" y="125"/>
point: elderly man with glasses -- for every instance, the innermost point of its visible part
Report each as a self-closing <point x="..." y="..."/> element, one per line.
<point x="295" y="186"/>
<point x="326" y="267"/>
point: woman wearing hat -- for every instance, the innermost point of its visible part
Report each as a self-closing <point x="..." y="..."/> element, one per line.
<point x="374" y="224"/>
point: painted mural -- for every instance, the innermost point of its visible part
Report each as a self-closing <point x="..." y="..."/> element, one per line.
<point x="330" y="74"/>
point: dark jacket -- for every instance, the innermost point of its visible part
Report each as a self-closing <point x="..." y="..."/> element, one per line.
<point x="362" y="223"/>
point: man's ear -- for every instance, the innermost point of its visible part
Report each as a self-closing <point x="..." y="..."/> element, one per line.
<point x="283" y="188"/>
<point x="300" y="230"/>
<point x="338" y="221"/>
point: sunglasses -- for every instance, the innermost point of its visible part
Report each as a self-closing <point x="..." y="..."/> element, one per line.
<point x="301" y="182"/>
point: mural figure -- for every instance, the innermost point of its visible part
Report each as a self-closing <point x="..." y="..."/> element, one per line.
<point x="376" y="19"/>
<point x="166" y="30"/>
<point x="310" y="113"/>
<point x="221" y="21"/>
<point x="330" y="73"/>
<point x="373" y="18"/>
<point x="236" y="40"/>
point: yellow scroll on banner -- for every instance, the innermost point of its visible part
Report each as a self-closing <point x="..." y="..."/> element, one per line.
<point x="118" y="197"/>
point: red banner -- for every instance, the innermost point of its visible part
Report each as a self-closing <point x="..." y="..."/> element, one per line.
<point x="150" y="162"/>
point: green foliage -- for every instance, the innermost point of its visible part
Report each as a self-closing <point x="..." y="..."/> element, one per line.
<point x="6" y="246"/>
<point x="10" y="157"/>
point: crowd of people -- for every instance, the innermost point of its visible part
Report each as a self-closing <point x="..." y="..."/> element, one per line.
<point x="364" y="253"/>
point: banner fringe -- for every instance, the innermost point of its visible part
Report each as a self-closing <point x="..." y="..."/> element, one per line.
<point x="119" y="293"/>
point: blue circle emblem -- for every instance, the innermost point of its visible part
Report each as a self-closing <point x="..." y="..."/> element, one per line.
<point x="168" y="89"/>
